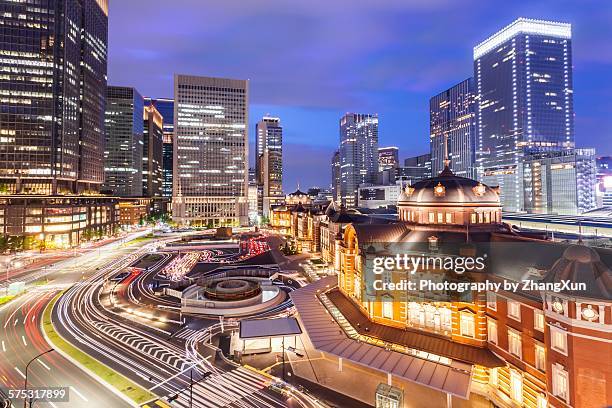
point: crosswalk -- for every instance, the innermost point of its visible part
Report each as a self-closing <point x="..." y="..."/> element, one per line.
<point x="236" y="388"/>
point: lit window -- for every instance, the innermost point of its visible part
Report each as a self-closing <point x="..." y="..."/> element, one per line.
<point x="473" y="218"/>
<point x="558" y="340"/>
<point x="449" y="218"/>
<point x="514" y="343"/>
<point x="467" y="324"/>
<point x="440" y="218"/>
<point x="538" y="320"/>
<point x="516" y="386"/>
<point x="542" y="403"/>
<point x="514" y="309"/>
<point x="387" y="307"/>
<point x="540" y="357"/>
<point x="493" y="377"/>
<point x="492" y="330"/>
<point x="491" y="300"/>
<point x="432" y="218"/>
<point x="560" y="382"/>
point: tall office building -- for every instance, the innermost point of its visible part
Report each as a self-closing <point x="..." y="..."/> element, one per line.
<point x="388" y="157"/>
<point x="523" y="77"/>
<point x="335" y="176"/>
<point x="358" y="154"/>
<point x="210" y="151"/>
<point x="152" y="154"/>
<point x="124" y="141"/>
<point x="269" y="164"/>
<point x="452" y="115"/>
<point x="52" y="98"/>
<point x="52" y="92"/>
<point x="560" y="182"/>
<point x="165" y="107"/>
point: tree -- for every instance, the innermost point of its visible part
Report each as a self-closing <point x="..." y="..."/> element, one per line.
<point x="4" y="243"/>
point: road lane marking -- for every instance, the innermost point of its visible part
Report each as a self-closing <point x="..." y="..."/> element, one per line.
<point x="79" y="394"/>
<point x="44" y="365"/>
<point x="15" y="324"/>
<point x="20" y="373"/>
<point x="24" y="341"/>
<point x="3" y="346"/>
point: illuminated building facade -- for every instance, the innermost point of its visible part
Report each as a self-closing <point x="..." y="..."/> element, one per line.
<point x="524" y="348"/>
<point x="358" y="154"/>
<point x="52" y="95"/>
<point x="452" y="114"/>
<point x="388" y="158"/>
<point x="335" y="177"/>
<point x="523" y="79"/>
<point x="269" y="163"/>
<point x="49" y="222"/>
<point x="165" y="107"/>
<point x="152" y="153"/>
<point x="123" y="154"/>
<point x="210" y="151"/>
<point x="560" y="182"/>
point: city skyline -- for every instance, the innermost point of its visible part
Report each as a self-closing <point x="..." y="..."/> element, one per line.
<point x="383" y="77"/>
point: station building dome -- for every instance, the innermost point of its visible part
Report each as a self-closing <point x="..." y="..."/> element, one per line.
<point x="449" y="199"/>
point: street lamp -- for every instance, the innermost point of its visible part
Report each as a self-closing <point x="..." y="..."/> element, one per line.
<point x="26" y="376"/>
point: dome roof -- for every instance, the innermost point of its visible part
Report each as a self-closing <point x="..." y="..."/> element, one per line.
<point x="580" y="253"/>
<point x="581" y="264"/>
<point x="447" y="188"/>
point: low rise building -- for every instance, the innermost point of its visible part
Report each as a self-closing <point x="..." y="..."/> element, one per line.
<point x="134" y="211"/>
<point x="48" y="222"/>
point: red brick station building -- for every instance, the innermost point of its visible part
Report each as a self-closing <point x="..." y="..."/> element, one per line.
<point x="527" y="348"/>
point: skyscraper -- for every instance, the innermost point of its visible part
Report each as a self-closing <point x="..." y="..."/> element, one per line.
<point x="269" y="163"/>
<point x="335" y="176"/>
<point x="165" y="107"/>
<point x="523" y="77"/>
<point x="210" y="151"/>
<point x="358" y="154"/>
<point x="152" y="155"/>
<point x="124" y="141"/>
<point x="52" y="100"/>
<point x="388" y="157"/>
<point x="452" y="114"/>
<point x="52" y="96"/>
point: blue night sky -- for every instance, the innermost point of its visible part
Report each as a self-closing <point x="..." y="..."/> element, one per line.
<point x="310" y="61"/>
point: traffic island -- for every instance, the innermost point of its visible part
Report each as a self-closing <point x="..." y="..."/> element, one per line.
<point x="121" y="385"/>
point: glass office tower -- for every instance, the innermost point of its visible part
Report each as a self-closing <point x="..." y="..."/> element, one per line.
<point x="52" y="95"/>
<point x="52" y="98"/>
<point x="165" y="106"/>
<point x="210" y="151"/>
<point x="523" y="77"/>
<point x="124" y="141"/>
<point x="269" y="164"/>
<point x="358" y="154"/>
<point x="152" y="154"/>
<point x="452" y="115"/>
